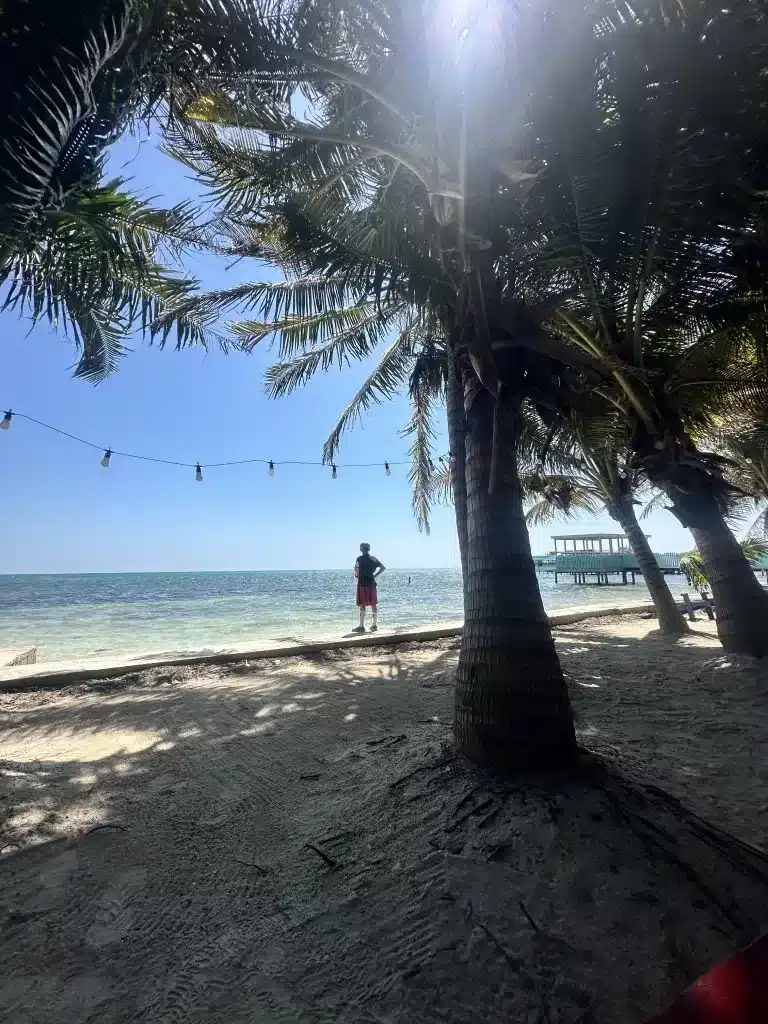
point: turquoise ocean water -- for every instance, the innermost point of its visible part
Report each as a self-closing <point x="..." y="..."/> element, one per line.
<point x="77" y="616"/>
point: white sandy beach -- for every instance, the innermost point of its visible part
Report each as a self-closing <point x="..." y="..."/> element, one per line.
<point x="67" y="670"/>
<point x="293" y="841"/>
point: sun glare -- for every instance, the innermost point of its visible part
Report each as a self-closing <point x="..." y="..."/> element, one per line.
<point x="463" y="24"/>
<point x="458" y="9"/>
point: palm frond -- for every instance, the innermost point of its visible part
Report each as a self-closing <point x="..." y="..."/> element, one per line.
<point x="350" y="343"/>
<point x="560" y="498"/>
<point x="387" y="379"/>
<point x="100" y="341"/>
<point x="90" y="270"/>
<point x="654" y="504"/>
<point x="421" y="430"/>
<point x="441" y="486"/>
<point x="54" y="130"/>
<point x="354" y="330"/>
<point x="758" y="528"/>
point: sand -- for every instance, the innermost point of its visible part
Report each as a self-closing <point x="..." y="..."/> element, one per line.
<point x="294" y="841"/>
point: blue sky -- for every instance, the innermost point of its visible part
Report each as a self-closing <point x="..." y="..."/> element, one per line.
<point x="61" y="512"/>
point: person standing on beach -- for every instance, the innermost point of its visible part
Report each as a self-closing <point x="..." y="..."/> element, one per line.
<point x="367" y="570"/>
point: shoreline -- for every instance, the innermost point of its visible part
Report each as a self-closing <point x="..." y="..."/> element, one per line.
<point x="64" y="672"/>
<point x="131" y="617"/>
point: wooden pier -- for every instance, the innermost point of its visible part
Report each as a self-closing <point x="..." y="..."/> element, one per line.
<point x="595" y="557"/>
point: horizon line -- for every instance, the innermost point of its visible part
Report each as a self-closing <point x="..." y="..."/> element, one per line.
<point x="212" y="572"/>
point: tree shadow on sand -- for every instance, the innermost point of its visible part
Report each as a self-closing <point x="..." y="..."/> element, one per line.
<point x="295" y="841"/>
<point x="687" y="717"/>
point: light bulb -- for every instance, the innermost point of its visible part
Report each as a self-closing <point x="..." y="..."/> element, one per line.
<point x="107" y="457"/>
<point x="5" y="424"/>
<point x="334" y="474"/>
<point x="198" y="473"/>
<point x="271" y="469"/>
<point x="387" y="470"/>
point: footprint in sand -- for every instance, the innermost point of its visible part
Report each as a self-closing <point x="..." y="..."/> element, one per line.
<point x="50" y="886"/>
<point x="114" y="915"/>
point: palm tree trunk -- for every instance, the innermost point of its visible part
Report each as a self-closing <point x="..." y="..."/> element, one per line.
<point x="511" y="708"/>
<point x="741" y="603"/>
<point x="671" y="620"/>
<point x="455" y="415"/>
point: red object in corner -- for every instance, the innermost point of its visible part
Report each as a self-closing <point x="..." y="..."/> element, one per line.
<point x="733" y="992"/>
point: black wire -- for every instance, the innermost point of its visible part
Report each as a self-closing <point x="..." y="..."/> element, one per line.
<point x="203" y="465"/>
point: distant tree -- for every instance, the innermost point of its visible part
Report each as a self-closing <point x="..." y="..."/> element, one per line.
<point x="593" y="471"/>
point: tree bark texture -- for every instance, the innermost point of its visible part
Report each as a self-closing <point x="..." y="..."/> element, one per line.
<point x="512" y="709"/>
<point x="741" y="603"/>
<point x="671" y="619"/>
<point x="455" y="415"/>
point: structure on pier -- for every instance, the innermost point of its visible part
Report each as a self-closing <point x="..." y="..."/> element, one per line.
<point x="593" y="542"/>
<point x="599" y="555"/>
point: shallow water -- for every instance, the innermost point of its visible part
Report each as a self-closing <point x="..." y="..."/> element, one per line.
<point x="75" y="616"/>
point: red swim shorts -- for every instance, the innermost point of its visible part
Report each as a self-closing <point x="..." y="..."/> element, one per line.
<point x="366" y="597"/>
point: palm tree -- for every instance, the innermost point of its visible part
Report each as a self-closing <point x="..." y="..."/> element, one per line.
<point x="669" y="290"/>
<point x="355" y="202"/>
<point x="427" y="206"/>
<point x="572" y="468"/>
<point x="594" y="472"/>
<point x="707" y="382"/>
<point x="323" y="321"/>
<point x="640" y="280"/>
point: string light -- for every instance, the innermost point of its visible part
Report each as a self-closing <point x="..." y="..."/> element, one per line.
<point x="5" y="424"/>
